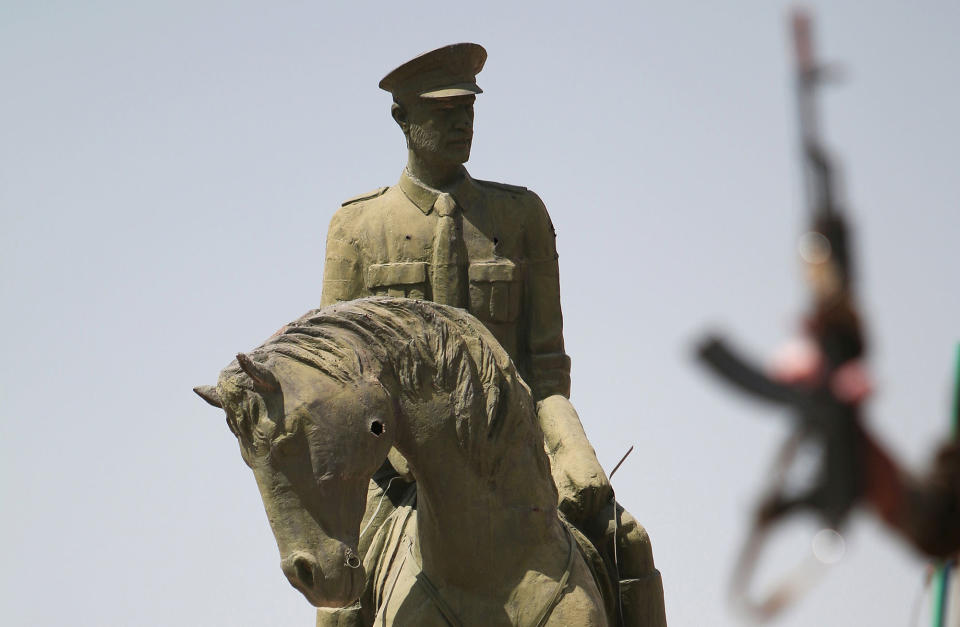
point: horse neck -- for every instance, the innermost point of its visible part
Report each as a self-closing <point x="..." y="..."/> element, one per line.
<point x="463" y="511"/>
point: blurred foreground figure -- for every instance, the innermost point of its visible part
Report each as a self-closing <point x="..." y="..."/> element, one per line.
<point x="488" y="248"/>
<point x="925" y="511"/>
<point x="822" y="377"/>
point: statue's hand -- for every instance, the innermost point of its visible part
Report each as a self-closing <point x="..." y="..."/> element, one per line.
<point x="582" y="485"/>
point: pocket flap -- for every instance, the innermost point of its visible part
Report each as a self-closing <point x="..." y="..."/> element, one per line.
<point x="400" y="273"/>
<point x="491" y="271"/>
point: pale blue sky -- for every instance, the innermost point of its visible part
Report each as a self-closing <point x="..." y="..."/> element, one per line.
<point x="167" y="173"/>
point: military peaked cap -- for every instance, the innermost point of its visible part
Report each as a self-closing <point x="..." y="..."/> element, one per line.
<point x="442" y="73"/>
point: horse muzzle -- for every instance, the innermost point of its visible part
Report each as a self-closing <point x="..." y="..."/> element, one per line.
<point x="336" y="582"/>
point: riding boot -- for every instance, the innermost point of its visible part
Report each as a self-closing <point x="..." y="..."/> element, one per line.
<point x="625" y="548"/>
<point x="641" y="602"/>
<point x="641" y="588"/>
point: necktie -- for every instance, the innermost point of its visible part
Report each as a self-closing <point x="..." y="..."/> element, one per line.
<point x="446" y="253"/>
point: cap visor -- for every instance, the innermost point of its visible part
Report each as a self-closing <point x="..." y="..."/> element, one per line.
<point x="453" y="91"/>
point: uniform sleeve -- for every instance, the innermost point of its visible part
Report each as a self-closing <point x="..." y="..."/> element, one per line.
<point x="549" y="364"/>
<point x="342" y="277"/>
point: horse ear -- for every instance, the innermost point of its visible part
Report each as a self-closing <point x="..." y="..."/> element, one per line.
<point x="209" y="394"/>
<point x="264" y="381"/>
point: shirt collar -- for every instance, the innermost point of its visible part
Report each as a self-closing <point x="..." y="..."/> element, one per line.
<point x="423" y="196"/>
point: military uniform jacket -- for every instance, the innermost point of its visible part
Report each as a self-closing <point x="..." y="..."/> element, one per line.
<point x="381" y="243"/>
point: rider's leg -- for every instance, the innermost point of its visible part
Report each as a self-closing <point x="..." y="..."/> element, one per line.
<point x="641" y="589"/>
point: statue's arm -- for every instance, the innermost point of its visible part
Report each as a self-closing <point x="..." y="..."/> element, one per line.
<point x="342" y="269"/>
<point x="582" y="485"/>
<point x="581" y="482"/>
<point x="548" y="363"/>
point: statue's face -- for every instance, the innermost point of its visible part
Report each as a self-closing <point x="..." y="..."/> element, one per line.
<point x="440" y="130"/>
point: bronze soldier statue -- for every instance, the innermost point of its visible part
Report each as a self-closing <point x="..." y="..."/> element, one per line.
<point x="489" y="248"/>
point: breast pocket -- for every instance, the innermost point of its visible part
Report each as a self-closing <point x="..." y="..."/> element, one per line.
<point x="496" y="290"/>
<point x="404" y="279"/>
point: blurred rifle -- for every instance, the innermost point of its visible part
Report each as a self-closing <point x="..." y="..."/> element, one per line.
<point x="823" y="414"/>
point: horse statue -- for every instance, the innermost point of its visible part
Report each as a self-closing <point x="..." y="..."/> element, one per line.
<point x="317" y="408"/>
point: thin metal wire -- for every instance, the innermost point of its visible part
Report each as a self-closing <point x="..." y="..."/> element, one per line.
<point x="376" y="511"/>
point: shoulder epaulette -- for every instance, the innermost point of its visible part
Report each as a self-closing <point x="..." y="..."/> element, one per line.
<point x="516" y="189"/>
<point x="367" y="196"/>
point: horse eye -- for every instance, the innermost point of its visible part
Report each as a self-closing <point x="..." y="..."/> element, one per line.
<point x="376" y="428"/>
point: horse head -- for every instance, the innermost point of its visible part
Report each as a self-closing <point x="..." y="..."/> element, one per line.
<point x="312" y="442"/>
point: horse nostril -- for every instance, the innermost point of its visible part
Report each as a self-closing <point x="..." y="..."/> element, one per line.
<point x="304" y="571"/>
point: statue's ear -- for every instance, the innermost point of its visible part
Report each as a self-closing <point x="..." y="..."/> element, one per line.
<point x="264" y="381"/>
<point x="209" y="394"/>
<point x="400" y="116"/>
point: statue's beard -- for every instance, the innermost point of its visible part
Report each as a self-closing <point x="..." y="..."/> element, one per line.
<point x="424" y="141"/>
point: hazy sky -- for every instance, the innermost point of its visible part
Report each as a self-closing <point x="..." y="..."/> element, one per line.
<point x="168" y="171"/>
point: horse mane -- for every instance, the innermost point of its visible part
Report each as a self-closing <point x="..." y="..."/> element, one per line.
<point x="422" y="346"/>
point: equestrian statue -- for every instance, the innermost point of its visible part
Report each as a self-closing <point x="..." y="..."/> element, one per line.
<point x="470" y="534"/>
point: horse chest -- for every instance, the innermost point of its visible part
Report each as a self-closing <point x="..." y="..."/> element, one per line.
<point x="410" y="603"/>
<point x="406" y="596"/>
